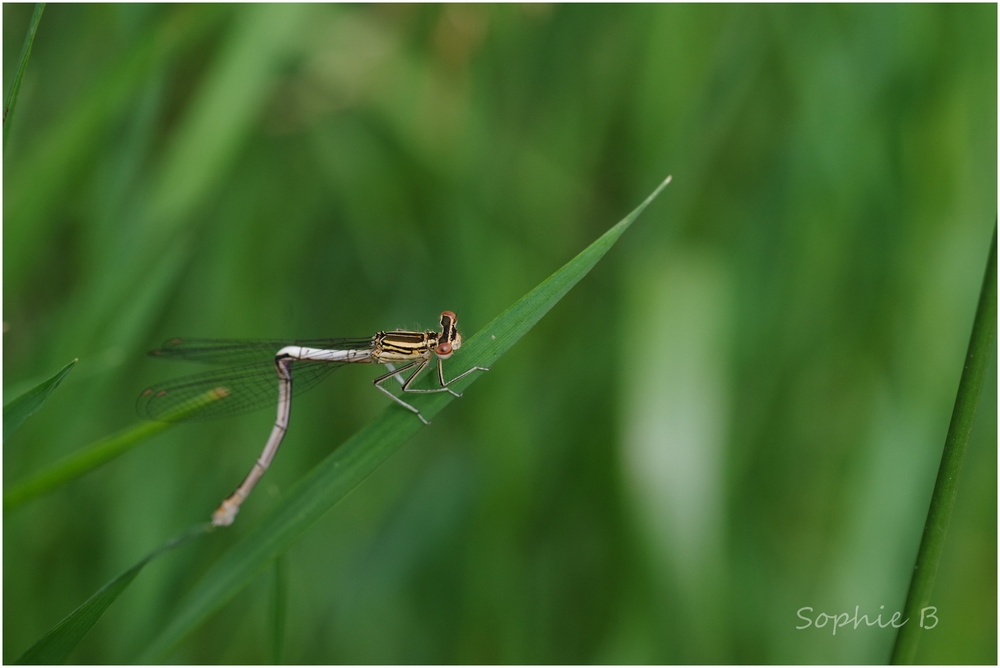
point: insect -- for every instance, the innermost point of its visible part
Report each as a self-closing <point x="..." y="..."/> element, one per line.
<point x="256" y="371"/>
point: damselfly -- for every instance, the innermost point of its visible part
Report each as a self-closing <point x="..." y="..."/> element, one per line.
<point x="257" y="371"/>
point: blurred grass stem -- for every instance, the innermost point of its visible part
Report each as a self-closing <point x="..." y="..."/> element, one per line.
<point x="984" y="330"/>
<point x="29" y="39"/>
<point x="90" y="457"/>
<point x="57" y="644"/>
<point x="278" y="611"/>
<point x="76" y="464"/>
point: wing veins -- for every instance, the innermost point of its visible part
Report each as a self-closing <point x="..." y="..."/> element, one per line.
<point x="226" y="391"/>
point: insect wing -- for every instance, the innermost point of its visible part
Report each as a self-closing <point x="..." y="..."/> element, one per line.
<point x="225" y="392"/>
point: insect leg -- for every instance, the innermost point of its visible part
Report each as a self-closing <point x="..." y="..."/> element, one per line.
<point x="445" y="384"/>
<point x="421" y="365"/>
<point x="398" y="375"/>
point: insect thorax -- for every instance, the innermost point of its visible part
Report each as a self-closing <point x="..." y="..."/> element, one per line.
<point x="402" y="345"/>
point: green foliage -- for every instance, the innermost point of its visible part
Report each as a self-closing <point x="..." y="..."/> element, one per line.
<point x="22" y="407"/>
<point x="10" y="102"/>
<point x="56" y="645"/>
<point x="316" y="493"/>
<point x="982" y="343"/>
<point x="357" y="459"/>
<point x="92" y="456"/>
<point x="739" y="413"/>
<point x="76" y="464"/>
<point x="279" y="610"/>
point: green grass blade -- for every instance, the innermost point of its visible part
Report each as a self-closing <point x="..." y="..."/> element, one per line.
<point x="333" y="478"/>
<point x="56" y="645"/>
<point x="76" y="464"/>
<point x="20" y="409"/>
<point x="90" y="457"/>
<point x="68" y="148"/>
<point x="223" y="113"/>
<point x="984" y="331"/>
<point x="29" y="40"/>
<point x="279" y="609"/>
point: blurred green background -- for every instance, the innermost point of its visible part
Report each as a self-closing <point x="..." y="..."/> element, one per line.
<point x="738" y="414"/>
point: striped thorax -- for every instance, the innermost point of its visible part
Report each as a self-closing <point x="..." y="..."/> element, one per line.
<point x="402" y="345"/>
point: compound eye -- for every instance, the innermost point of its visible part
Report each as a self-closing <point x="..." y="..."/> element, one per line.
<point x="444" y="349"/>
<point x="451" y="316"/>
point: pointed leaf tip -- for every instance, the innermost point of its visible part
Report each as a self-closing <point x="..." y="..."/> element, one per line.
<point x="20" y="409"/>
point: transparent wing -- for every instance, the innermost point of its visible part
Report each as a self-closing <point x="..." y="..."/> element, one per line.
<point x="239" y="352"/>
<point x="225" y="392"/>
